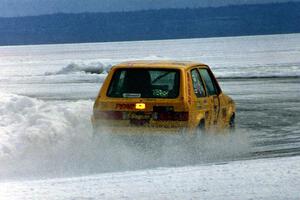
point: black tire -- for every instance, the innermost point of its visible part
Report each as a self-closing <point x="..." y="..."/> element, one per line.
<point x="232" y="122"/>
<point x="201" y="125"/>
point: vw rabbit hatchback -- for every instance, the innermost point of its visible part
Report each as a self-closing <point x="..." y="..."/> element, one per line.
<point x="161" y="96"/>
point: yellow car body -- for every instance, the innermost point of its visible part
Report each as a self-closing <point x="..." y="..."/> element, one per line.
<point x="175" y="96"/>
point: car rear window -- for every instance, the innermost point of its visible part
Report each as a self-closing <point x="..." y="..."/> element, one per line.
<point x="144" y="83"/>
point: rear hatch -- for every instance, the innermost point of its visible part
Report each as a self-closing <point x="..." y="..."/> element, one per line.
<point x="142" y="97"/>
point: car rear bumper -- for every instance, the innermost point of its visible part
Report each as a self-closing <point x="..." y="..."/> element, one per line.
<point x="123" y="128"/>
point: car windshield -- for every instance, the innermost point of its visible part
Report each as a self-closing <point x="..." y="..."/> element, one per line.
<point x="144" y="83"/>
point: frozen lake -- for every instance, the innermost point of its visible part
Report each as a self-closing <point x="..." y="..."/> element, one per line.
<point x="47" y="92"/>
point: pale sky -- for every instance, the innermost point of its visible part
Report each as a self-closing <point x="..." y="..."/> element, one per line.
<point x="9" y="8"/>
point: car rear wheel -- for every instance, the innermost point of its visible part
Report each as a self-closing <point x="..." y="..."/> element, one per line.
<point x="200" y="128"/>
<point x="201" y="125"/>
<point x="232" y="122"/>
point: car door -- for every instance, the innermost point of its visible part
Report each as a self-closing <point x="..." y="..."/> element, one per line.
<point x="213" y="91"/>
<point x="200" y="104"/>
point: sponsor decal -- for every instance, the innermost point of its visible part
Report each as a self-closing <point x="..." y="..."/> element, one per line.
<point x="125" y="106"/>
<point x="131" y="95"/>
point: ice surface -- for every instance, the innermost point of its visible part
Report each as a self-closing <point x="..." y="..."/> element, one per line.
<point x="266" y="179"/>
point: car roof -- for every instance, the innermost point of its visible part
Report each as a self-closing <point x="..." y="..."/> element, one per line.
<point x="159" y="64"/>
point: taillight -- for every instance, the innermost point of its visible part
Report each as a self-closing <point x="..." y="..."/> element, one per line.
<point x="115" y="115"/>
<point x="171" y="116"/>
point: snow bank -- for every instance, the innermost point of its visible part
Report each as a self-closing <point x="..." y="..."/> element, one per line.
<point x="221" y="71"/>
<point x="268" y="179"/>
<point x="91" y="68"/>
<point x="97" y="67"/>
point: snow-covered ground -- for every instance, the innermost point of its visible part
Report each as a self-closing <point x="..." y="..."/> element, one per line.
<point x="268" y="179"/>
<point x="46" y="148"/>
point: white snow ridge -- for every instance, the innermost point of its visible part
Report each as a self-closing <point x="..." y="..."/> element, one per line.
<point x="92" y="68"/>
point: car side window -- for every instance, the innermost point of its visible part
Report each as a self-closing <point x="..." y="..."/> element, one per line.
<point x="210" y="83"/>
<point x="117" y="86"/>
<point x="197" y="83"/>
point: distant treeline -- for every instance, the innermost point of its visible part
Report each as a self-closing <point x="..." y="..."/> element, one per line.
<point x="152" y="24"/>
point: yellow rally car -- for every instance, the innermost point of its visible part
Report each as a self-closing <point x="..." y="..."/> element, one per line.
<point x="161" y="96"/>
